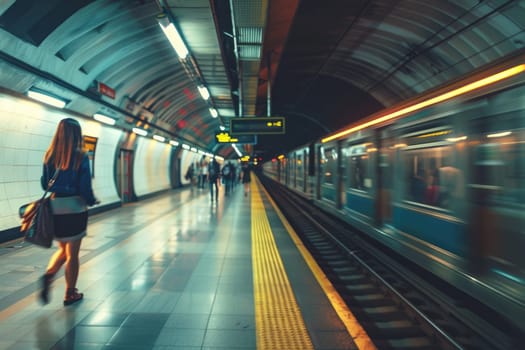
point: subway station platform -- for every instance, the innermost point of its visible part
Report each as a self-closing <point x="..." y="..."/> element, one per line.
<point x="178" y="271"/>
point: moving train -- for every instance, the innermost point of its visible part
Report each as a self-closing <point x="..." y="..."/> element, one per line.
<point x="439" y="178"/>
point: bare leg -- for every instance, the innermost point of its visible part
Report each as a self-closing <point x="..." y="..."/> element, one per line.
<point x="55" y="263"/>
<point x="57" y="259"/>
<point x="72" y="266"/>
<point x="72" y="263"/>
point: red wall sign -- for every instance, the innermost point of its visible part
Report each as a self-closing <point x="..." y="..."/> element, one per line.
<point x="106" y="90"/>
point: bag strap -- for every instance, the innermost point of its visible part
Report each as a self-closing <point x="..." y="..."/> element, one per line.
<point x="51" y="182"/>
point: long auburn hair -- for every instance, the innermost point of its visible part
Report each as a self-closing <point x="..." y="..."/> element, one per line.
<point x="66" y="143"/>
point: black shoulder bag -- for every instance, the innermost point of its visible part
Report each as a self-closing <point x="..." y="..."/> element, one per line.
<point x="37" y="219"/>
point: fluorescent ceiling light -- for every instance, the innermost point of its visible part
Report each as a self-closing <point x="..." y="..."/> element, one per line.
<point x="204" y="92"/>
<point x="173" y="36"/>
<point x="214" y="113"/>
<point x="140" y="131"/>
<point x="222" y="127"/>
<point x="185" y="146"/>
<point x="46" y="98"/>
<point x="456" y="139"/>
<point x="499" y="134"/>
<point x="159" y="138"/>
<point x="104" y="119"/>
<point x="237" y="150"/>
<point x="174" y="143"/>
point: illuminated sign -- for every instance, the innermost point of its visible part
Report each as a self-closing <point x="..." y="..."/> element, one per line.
<point x="251" y="125"/>
<point x="106" y="90"/>
<point x="225" y="137"/>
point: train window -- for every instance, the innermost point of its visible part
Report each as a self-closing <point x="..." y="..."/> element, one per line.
<point x="328" y="165"/>
<point x="433" y="177"/>
<point x="300" y="171"/>
<point x="359" y="166"/>
<point x="499" y="168"/>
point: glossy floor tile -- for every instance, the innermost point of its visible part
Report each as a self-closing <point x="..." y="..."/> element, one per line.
<point x="172" y="272"/>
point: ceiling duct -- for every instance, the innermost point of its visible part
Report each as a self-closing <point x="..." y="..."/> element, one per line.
<point x="249" y="20"/>
<point x="250" y="43"/>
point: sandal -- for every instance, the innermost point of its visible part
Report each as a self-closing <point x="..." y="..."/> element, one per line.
<point x="72" y="296"/>
<point x="45" y="282"/>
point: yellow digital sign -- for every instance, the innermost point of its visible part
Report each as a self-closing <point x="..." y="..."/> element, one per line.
<point x="225" y="137"/>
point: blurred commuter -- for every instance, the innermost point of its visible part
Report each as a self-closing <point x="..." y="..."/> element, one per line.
<point x="246" y="177"/>
<point x="451" y="187"/>
<point x="228" y="176"/>
<point x="432" y="192"/>
<point x="190" y="174"/>
<point x="71" y="194"/>
<point x="203" y="172"/>
<point x="213" y="178"/>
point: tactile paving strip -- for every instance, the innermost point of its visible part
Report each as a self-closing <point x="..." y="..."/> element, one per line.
<point x="279" y="323"/>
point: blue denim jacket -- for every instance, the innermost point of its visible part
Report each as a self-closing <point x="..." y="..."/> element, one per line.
<point x="71" y="182"/>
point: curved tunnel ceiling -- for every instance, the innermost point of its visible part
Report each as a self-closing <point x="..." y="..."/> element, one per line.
<point x="343" y="60"/>
<point x="329" y="63"/>
<point x="120" y="44"/>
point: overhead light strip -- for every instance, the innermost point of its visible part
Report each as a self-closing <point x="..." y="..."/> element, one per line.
<point x="140" y="131"/>
<point x="175" y="39"/>
<point x="173" y="36"/>
<point x="432" y="101"/>
<point x="104" y="119"/>
<point x="46" y="98"/>
<point x="203" y="90"/>
<point x="159" y="138"/>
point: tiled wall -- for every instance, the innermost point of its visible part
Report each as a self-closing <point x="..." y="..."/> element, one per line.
<point x="151" y="166"/>
<point x="26" y="129"/>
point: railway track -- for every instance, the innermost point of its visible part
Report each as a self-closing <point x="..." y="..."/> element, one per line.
<point x="399" y="305"/>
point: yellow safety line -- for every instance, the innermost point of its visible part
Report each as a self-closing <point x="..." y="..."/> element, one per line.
<point x="278" y="319"/>
<point x="359" y="335"/>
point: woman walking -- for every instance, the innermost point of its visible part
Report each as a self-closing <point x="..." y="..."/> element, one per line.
<point x="71" y="194"/>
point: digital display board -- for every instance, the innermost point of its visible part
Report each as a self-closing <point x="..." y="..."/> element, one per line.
<point x="225" y="137"/>
<point x="256" y="125"/>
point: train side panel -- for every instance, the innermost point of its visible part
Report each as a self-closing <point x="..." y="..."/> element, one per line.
<point x="444" y="186"/>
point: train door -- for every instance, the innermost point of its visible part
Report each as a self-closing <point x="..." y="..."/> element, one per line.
<point x="340" y="178"/>
<point x="384" y="175"/>
<point x="293" y="170"/>
<point x="497" y="195"/>
<point x="124" y="175"/>
<point x="300" y="171"/>
<point x="359" y="164"/>
<point x="304" y="172"/>
<point x="319" y="169"/>
<point x="286" y="170"/>
<point x="312" y="171"/>
<point x="328" y="173"/>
